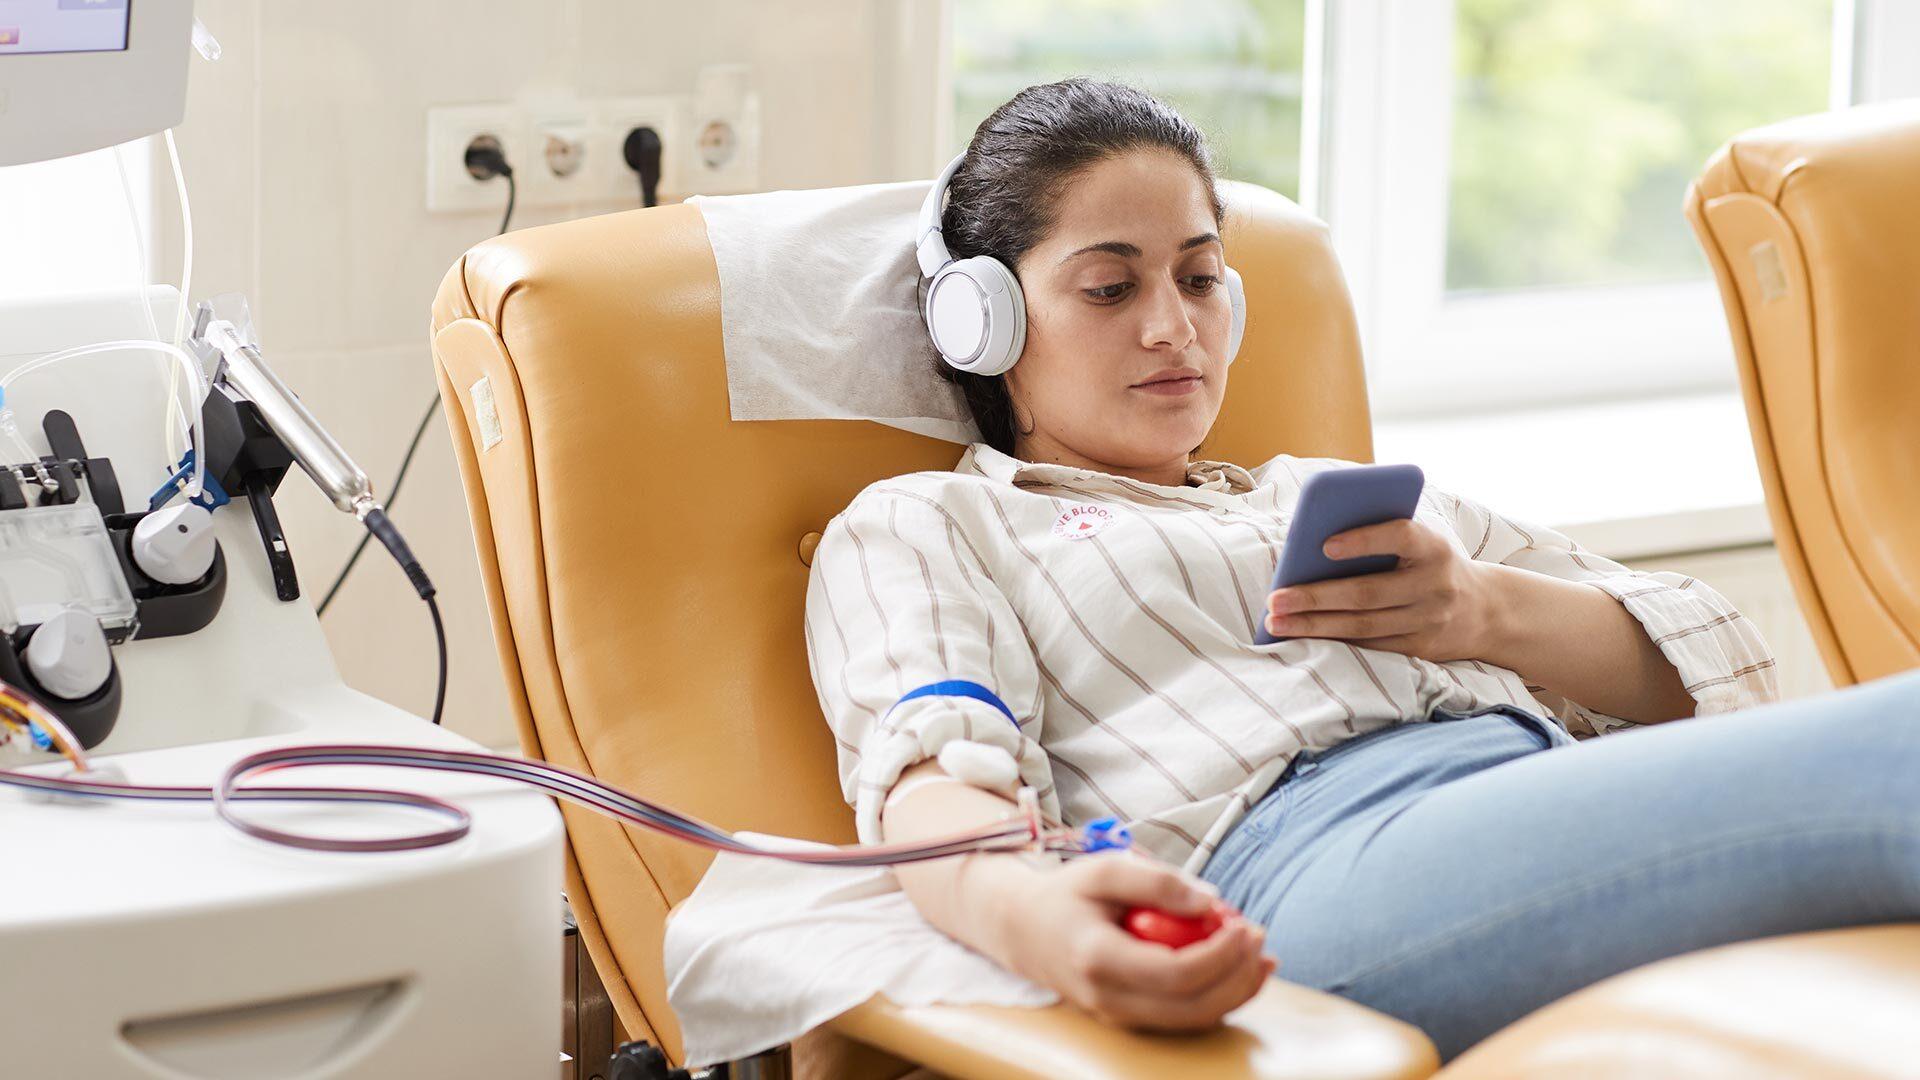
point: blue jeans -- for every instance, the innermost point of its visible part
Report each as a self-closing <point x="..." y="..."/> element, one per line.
<point x="1461" y="873"/>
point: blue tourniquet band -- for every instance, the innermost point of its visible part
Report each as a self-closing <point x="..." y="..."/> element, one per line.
<point x="960" y="688"/>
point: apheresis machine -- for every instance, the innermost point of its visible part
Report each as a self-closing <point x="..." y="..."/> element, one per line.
<point x="216" y="859"/>
<point x="154" y="634"/>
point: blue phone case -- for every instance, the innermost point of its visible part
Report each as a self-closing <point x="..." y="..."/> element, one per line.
<point x="1330" y="503"/>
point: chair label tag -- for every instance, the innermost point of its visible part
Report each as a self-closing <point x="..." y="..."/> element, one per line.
<point x="1769" y="270"/>
<point x="485" y="413"/>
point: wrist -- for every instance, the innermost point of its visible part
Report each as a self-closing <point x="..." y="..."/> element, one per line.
<point x="1502" y="601"/>
<point x="989" y="892"/>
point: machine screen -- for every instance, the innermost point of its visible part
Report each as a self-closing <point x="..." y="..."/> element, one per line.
<point x="62" y="26"/>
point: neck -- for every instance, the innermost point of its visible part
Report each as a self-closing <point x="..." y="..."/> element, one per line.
<point x="1042" y="449"/>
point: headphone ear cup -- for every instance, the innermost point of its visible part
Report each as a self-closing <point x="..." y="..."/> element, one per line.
<point x="977" y="315"/>
<point x="1237" y="296"/>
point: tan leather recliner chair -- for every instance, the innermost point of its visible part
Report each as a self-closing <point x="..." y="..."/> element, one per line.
<point x="1813" y="230"/>
<point x="646" y="560"/>
<point x="646" y="563"/>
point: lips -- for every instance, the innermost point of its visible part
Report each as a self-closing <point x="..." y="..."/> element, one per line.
<point x="1170" y="375"/>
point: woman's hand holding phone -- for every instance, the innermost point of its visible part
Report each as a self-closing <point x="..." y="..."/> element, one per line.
<point x="1438" y="604"/>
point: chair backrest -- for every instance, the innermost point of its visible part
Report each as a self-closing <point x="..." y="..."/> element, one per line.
<point x="645" y="557"/>
<point x="1813" y="230"/>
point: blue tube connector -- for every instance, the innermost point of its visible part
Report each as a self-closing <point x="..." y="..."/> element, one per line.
<point x="1105" y="833"/>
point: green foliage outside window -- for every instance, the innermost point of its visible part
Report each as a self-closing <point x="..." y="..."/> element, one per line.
<point x="1230" y="66"/>
<point x="1577" y="125"/>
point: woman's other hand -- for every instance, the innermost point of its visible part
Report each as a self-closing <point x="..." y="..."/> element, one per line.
<point x="1437" y="604"/>
<point x="1063" y="930"/>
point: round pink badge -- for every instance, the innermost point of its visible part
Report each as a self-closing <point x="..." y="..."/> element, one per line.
<point x="1082" y="522"/>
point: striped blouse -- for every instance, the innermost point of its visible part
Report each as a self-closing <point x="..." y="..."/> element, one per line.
<point x="1114" y="619"/>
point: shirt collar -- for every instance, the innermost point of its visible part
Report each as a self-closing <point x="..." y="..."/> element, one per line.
<point x="1223" y="476"/>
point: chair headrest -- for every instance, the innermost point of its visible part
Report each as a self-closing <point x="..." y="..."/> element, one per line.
<point x="820" y="309"/>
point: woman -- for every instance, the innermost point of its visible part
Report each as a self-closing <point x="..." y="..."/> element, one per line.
<point x="1394" y="794"/>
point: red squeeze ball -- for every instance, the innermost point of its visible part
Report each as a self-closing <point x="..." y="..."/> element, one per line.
<point x="1174" y="931"/>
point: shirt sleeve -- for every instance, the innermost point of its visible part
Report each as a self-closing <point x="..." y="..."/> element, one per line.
<point x="899" y="598"/>
<point x="1719" y="653"/>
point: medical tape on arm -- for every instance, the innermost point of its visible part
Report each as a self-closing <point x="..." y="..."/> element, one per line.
<point x="959" y="688"/>
<point x="981" y="765"/>
<point x="908" y="787"/>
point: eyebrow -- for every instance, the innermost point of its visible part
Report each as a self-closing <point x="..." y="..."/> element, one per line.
<point x="1130" y="251"/>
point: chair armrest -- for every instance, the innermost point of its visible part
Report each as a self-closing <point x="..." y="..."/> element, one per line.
<point x="1286" y="1031"/>
<point x="1832" y="1005"/>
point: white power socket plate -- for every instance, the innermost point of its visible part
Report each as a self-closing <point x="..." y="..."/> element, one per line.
<point x="565" y="128"/>
<point x="725" y="149"/>
<point x="599" y="128"/>
<point x="449" y="130"/>
<point x="666" y="114"/>
<point x="725" y="130"/>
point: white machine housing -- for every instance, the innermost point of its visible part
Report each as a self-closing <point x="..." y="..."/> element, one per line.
<point x="53" y="104"/>
<point x="156" y="942"/>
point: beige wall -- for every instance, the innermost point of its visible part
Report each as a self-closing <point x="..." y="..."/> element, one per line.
<point x="305" y="158"/>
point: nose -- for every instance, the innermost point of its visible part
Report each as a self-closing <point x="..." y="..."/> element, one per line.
<point x="1165" y="322"/>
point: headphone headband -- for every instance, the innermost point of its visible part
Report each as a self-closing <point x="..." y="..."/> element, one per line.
<point x="974" y="308"/>
<point x="928" y="245"/>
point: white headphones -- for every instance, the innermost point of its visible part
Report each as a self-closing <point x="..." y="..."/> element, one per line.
<point x="975" y="312"/>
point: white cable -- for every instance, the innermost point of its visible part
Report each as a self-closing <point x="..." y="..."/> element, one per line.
<point x="176" y="420"/>
<point x="186" y="235"/>
<point x="139" y="239"/>
<point x="183" y="362"/>
<point x="180" y="314"/>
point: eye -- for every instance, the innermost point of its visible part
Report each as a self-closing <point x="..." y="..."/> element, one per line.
<point x="1203" y="283"/>
<point x="1108" y="293"/>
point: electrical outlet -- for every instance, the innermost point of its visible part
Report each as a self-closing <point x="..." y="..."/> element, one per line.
<point x="614" y="119"/>
<point x="724" y="156"/>
<point x="449" y="131"/>
<point x="562" y="166"/>
<point x="570" y="153"/>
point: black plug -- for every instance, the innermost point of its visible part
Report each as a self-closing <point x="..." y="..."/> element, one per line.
<point x="486" y="159"/>
<point x="642" y="151"/>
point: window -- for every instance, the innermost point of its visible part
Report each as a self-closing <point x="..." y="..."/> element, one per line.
<point x="1233" y="67"/>
<point x="1577" y="125"/>
<point x="1505" y="184"/>
<point x="67" y="227"/>
<point x="1503" y="178"/>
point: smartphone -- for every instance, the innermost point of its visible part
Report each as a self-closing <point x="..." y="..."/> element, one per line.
<point x="1330" y="503"/>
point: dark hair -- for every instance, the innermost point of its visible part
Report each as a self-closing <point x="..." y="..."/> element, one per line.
<point x="1004" y="198"/>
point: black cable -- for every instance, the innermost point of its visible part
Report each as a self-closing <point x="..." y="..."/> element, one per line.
<point x="439" y="640"/>
<point x="381" y="528"/>
<point x="393" y="494"/>
<point x="488" y="160"/>
<point x="400" y="477"/>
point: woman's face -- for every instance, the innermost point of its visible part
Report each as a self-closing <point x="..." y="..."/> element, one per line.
<point x="1128" y="288"/>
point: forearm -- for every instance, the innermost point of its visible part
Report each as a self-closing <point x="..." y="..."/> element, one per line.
<point x="967" y="896"/>
<point x="1581" y="644"/>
